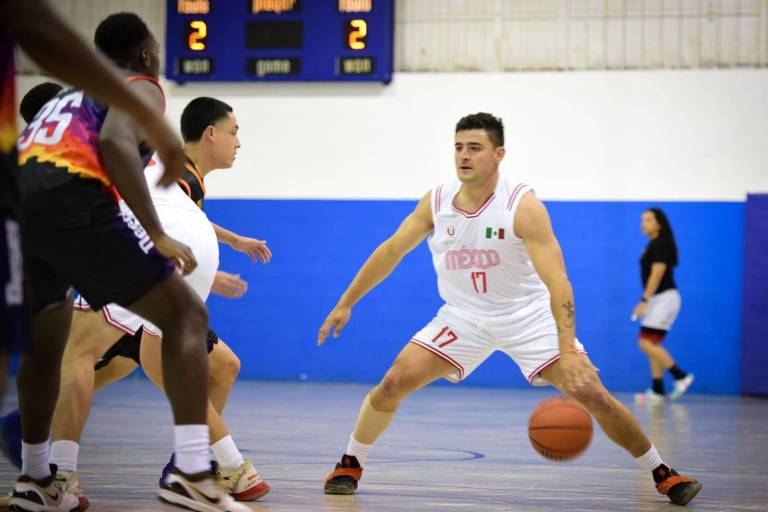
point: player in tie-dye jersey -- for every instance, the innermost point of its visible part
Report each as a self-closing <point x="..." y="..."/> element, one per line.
<point x="59" y="50"/>
<point x="76" y="154"/>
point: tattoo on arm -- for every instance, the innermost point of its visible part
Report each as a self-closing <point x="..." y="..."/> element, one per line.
<point x="570" y="314"/>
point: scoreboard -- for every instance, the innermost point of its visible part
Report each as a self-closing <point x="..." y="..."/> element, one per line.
<point x="279" y="40"/>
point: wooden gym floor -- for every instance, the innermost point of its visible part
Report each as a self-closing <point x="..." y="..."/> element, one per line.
<point x="451" y="449"/>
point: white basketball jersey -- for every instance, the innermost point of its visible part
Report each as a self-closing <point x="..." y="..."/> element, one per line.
<point x="172" y="196"/>
<point x="481" y="266"/>
<point x="184" y="221"/>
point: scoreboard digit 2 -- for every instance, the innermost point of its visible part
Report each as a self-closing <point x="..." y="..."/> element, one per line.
<point x="279" y="40"/>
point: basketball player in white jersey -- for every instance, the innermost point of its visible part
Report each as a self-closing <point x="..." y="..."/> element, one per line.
<point x="209" y="129"/>
<point x="501" y="274"/>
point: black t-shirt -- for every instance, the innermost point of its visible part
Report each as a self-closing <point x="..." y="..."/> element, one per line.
<point x="659" y="250"/>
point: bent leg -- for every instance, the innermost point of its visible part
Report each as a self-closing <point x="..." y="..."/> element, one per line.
<point x="151" y="349"/>
<point x="224" y="365"/>
<point x="414" y="368"/>
<point x="657" y="354"/>
<point x="177" y="310"/>
<point x="39" y="371"/>
<point x="618" y="423"/>
<point x="89" y="338"/>
<point x="118" y="368"/>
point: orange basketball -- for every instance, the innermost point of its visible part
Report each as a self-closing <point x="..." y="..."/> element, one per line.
<point x="560" y="429"/>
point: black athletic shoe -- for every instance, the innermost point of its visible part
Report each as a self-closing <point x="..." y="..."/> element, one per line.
<point x="343" y="479"/>
<point x="680" y="489"/>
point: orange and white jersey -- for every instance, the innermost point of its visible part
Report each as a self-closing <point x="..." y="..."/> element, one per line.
<point x="481" y="266"/>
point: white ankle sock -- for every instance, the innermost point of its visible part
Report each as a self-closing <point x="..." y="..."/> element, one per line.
<point x="358" y="449"/>
<point x="650" y="460"/>
<point x="35" y="460"/>
<point x="64" y="455"/>
<point x="227" y="454"/>
<point x="192" y="454"/>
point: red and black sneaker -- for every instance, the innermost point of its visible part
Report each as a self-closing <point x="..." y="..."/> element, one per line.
<point x="680" y="489"/>
<point x="343" y="479"/>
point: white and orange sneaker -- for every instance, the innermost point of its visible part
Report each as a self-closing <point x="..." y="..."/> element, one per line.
<point x="41" y="495"/>
<point x="204" y="492"/>
<point x="67" y="482"/>
<point x="244" y="483"/>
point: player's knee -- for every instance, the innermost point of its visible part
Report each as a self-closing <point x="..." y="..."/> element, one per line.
<point x="396" y="384"/>
<point x="595" y="398"/>
<point x="191" y="315"/>
<point x="230" y="368"/>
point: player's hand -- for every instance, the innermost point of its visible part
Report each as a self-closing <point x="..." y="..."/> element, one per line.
<point x="257" y="250"/>
<point x="338" y="318"/>
<point x="639" y="310"/>
<point x="228" y="285"/>
<point x="161" y="136"/>
<point x="179" y="254"/>
<point x="577" y="371"/>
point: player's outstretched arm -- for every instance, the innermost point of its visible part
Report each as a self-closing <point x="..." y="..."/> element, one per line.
<point x="533" y="225"/>
<point x="256" y="249"/>
<point x="413" y="230"/>
<point x="119" y="141"/>
<point x="63" y="53"/>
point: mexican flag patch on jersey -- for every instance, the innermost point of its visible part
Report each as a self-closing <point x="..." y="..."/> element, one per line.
<point x="497" y="233"/>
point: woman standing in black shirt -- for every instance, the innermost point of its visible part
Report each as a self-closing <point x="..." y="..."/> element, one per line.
<point x="659" y="305"/>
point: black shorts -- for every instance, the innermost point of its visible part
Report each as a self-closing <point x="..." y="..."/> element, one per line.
<point x="106" y="255"/>
<point x="14" y="316"/>
<point x="130" y="346"/>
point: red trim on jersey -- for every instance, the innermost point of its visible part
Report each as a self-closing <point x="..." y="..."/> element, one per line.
<point x="135" y="78"/>
<point x="512" y="197"/>
<point x="535" y="373"/>
<point x="440" y="354"/>
<point x="78" y="305"/>
<point x="438" y="193"/>
<point x="472" y="215"/>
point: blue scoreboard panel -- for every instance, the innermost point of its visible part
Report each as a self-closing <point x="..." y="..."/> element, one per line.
<point x="279" y="40"/>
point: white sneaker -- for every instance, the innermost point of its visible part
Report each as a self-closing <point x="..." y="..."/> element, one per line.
<point x="681" y="386"/>
<point x="41" y="495"/>
<point x="202" y="491"/>
<point x="67" y="482"/>
<point x="244" y="483"/>
<point x="650" y="397"/>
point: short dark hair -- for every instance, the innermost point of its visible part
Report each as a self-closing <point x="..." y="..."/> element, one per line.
<point x="665" y="231"/>
<point x="38" y="96"/>
<point x="120" y="36"/>
<point x="483" y="121"/>
<point x="199" y="114"/>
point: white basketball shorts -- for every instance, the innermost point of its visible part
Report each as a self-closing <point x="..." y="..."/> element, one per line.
<point x="528" y="336"/>
<point x="660" y="313"/>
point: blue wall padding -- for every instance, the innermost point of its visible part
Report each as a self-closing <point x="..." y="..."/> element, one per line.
<point x="754" y="341"/>
<point x="319" y="245"/>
